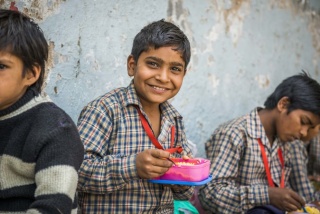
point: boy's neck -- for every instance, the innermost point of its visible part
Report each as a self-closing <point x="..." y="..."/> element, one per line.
<point x="268" y="123"/>
<point x="153" y="113"/>
<point x="151" y="109"/>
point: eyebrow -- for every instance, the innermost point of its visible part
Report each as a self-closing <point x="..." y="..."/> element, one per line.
<point x="162" y="61"/>
<point x="4" y="60"/>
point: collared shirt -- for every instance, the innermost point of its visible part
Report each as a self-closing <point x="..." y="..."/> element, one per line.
<point x="239" y="177"/>
<point x="112" y="134"/>
<point x="313" y="149"/>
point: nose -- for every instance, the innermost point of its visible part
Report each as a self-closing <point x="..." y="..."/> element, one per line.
<point x="163" y="75"/>
<point x="304" y="131"/>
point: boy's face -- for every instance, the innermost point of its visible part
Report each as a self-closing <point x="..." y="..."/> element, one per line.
<point x="296" y="124"/>
<point x="158" y="75"/>
<point x="12" y="84"/>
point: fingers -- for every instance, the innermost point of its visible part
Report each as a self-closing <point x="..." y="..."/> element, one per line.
<point x="298" y="199"/>
<point x="291" y="204"/>
<point x="153" y="172"/>
<point x="158" y="153"/>
<point x="152" y="163"/>
<point x="285" y="199"/>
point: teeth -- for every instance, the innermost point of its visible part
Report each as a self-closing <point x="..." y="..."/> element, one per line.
<point x="157" y="88"/>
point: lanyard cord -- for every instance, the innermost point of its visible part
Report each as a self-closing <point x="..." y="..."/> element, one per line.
<point x="267" y="168"/>
<point x="154" y="139"/>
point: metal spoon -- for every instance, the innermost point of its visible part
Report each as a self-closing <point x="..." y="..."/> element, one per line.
<point x="304" y="210"/>
<point x="169" y="159"/>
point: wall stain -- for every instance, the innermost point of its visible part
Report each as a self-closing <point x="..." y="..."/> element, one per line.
<point x="78" y="67"/>
<point x="49" y="63"/>
<point x="36" y="9"/>
<point x="302" y="8"/>
<point x="263" y="81"/>
<point x="214" y="82"/>
<point x="314" y="28"/>
<point x="233" y="13"/>
<point x="179" y="16"/>
<point x="2" y="4"/>
<point x="13" y="7"/>
<point x="39" y="10"/>
<point x="229" y="19"/>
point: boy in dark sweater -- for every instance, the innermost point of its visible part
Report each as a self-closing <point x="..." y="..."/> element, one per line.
<point x="40" y="148"/>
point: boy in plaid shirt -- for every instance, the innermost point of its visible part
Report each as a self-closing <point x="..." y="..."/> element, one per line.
<point x="120" y="155"/>
<point x="253" y="155"/>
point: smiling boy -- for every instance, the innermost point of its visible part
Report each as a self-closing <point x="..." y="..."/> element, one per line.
<point x="40" y="147"/>
<point x="254" y="164"/>
<point x="122" y="152"/>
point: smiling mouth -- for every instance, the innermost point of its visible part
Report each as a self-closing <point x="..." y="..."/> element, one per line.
<point x="158" y="88"/>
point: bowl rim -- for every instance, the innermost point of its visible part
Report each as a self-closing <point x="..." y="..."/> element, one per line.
<point x="204" y="162"/>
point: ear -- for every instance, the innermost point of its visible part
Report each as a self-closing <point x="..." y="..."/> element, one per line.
<point x="131" y="65"/>
<point x="32" y="75"/>
<point x="283" y="104"/>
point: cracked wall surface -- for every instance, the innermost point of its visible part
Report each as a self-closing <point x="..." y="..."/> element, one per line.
<point x="241" y="50"/>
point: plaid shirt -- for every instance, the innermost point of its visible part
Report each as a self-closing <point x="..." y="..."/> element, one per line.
<point x="313" y="148"/>
<point x="239" y="177"/>
<point x="112" y="134"/>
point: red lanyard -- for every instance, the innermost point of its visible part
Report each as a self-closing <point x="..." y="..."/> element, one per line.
<point x="266" y="165"/>
<point x="154" y="139"/>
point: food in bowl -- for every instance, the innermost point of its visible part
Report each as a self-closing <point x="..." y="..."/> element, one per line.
<point x="311" y="209"/>
<point x="184" y="164"/>
<point x="196" y="169"/>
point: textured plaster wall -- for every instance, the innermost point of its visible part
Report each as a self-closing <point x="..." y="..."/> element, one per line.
<point x="241" y="50"/>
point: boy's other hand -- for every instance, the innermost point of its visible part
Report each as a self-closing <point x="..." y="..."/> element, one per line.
<point x="152" y="163"/>
<point x="285" y="199"/>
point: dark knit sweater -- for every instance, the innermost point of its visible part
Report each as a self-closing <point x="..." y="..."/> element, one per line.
<point x="40" y="154"/>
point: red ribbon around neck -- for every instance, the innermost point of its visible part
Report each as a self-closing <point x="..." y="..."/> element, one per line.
<point x="154" y="140"/>
<point x="267" y="168"/>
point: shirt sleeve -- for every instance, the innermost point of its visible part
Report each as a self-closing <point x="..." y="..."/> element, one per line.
<point x="224" y="194"/>
<point x="314" y="156"/>
<point x="100" y="172"/>
<point x="298" y="177"/>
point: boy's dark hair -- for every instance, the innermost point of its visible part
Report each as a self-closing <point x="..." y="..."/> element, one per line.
<point x="303" y="93"/>
<point x="161" y="34"/>
<point x="23" y="38"/>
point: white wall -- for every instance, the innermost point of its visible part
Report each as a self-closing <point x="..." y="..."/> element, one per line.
<point x="241" y="50"/>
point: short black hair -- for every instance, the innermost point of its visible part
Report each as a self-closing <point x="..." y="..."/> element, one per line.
<point x="302" y="91"/>
<point x="161" y="34"/>
<point x="23" y="38"/>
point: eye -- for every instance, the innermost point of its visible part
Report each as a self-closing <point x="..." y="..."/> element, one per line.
<point x="176" y="69"/>
<point x="305" y="122"/>
<point x="152" y="64"/>
<point x="2" y="66"/>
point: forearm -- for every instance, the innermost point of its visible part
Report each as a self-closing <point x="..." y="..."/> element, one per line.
<point x="105" y="175"/>
<point x="56" y="171"/>
<point x="298" y="179"/>
<point x="231" y="199"/>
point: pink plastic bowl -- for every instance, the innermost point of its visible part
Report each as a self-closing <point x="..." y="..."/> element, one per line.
<point x="197" y="172"/>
